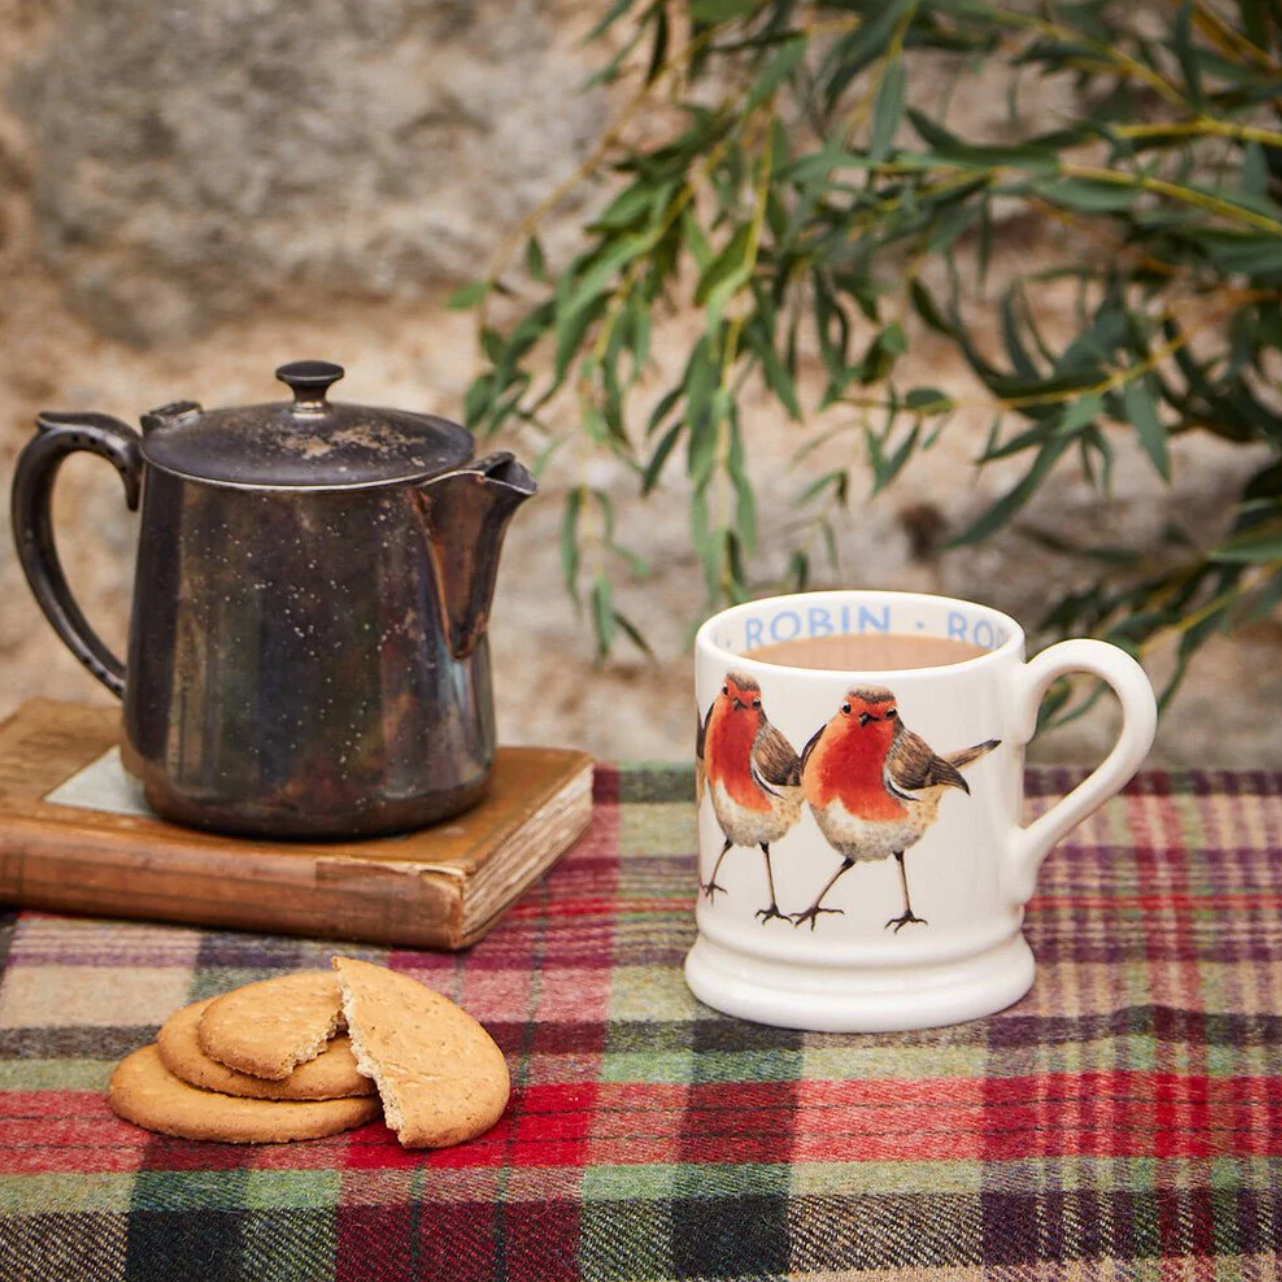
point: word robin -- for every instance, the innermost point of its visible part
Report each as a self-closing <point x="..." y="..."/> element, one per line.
<point x="874" y="787"/>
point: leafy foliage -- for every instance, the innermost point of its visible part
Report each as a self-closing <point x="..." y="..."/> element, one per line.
<point x="798" y="201"/>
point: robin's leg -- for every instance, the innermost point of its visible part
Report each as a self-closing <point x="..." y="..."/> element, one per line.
<point x="814" y="910"/>
<point x="710" y="887"/>
<point x="773" y="911"/>
<point x="908" y="915"/>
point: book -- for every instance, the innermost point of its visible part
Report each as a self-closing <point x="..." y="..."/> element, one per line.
<point x="76" y="836"/>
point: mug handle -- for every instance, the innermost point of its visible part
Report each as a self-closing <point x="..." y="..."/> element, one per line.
<point x="38" y="464"/>
<point x="1029" y="846"/>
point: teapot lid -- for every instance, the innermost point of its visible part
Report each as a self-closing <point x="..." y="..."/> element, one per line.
<point x="306" y="443"/>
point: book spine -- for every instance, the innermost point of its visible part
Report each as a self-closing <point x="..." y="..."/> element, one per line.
<point x="302" y="894"/>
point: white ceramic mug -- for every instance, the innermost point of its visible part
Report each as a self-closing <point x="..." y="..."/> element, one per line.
<point x="879" y="884"/>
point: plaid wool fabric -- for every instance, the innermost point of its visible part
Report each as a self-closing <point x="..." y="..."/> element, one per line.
<point x="1122" y="1121"/>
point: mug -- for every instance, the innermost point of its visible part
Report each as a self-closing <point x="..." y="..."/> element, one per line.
<point x="862" y="864"/>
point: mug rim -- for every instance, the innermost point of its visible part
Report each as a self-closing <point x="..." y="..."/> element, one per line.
<point x="1012" y="646"/>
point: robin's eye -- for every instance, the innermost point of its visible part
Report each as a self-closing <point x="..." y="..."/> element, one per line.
<point x="756" y="703"/>
<point x="845" y="708"/>
<point x="725" y="689"/>
<point x="891" y="714"/>
<point x="865" y="718"/>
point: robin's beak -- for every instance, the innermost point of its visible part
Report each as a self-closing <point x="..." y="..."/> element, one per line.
<point x="738" y="704"/>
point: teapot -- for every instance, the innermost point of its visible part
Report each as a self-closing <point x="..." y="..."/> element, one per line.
<point x="307" y="651"/>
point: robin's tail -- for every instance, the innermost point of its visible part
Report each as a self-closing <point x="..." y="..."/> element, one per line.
<point x="966" y="756"/>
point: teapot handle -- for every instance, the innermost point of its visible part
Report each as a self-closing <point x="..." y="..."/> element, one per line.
<point x="38" y="464"/>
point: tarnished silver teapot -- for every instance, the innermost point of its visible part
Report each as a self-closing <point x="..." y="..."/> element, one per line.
<point x="307" y="650"/>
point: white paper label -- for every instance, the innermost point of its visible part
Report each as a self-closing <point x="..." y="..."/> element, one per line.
<point x="103" y="785"/>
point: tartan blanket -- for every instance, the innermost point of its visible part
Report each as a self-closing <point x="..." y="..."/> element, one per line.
<point x="1122" y="1121"/>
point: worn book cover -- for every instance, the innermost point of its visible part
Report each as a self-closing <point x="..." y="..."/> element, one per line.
<point x="76" y="836"/>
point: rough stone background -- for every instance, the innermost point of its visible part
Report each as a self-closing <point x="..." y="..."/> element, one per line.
<point x="193" y="191"/>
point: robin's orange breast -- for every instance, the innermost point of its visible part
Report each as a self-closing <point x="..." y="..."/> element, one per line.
<point x="848" y="768"/>
<point x="727" y="755"/>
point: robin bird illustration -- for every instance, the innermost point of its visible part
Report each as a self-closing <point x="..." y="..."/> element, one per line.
<point x="874" y="787"/>
<point x="753" y="775"/>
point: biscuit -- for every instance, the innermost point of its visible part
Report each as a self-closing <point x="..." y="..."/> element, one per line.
<point x="269" y="1028"/>
<point x="440" y="1075"/>
<point x="331" y="1075"/>
<point x="145" y="1092"/>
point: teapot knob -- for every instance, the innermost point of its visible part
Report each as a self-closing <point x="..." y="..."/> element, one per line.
<point x="309" y="381"/>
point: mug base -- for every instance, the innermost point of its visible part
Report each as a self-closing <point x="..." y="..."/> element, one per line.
<point x="883" y="1000"/>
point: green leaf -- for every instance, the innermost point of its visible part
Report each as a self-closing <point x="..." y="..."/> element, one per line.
<point x="700" y="381"/>
<point x="604" y="620"/>
<point x="1142" y="411"/>
<point x="534" y="262"/>
<point x="633" y="206"/>
<point x="815" y="168"/>
<point x="468" y="295"/>
<point x="1105" y="554"/>
<point x="798" y="575"/>
<point x="777" y="375"/>
<point x="942" y="421"/>
<point x="1182" y="39"/>
<point x="925" y="307"/>
<point x="695" y="240"/>
<point x="951" y="149"/>
<point x="570" y="541"/>
<point x="1255" y="21"/>
<point x="838" y="478"/>
<point x="1081" y="413"/>
<point x="785" y="61"/>
<point x="984" y="254"/>
<point x="1258" y="546"/>
<point x="996" y="516"/>
<point x="712" y="11"/>
<point x="1094" y="444"/>
<point x="1263" y="206"/>
<point x="667" y="403"/>
<point x="659" y="49"/>
<point x="1256" y="254"/>
<point x="630" y="630"/>
<point x="479" y="399"/>
<point x="853" y="52"/>
<point x="638" y="567"/>
<point x="1020" y="359"/>
<point x="889" y="110"/>
<point x="886" y="468"/>
<point x="953" y="222"/>
<point x="1086" y="195"/>
<point x="1255" y="173"/>
<point x="711" y="552"/>
<point x="1264" y="600"/>
<point x="654" y="468"/>
<point x="606" y="504"/>
<point x="611" y="16"/>
<point x="589" y="286"/>
<point x="570" y="334"/>
<point x="745" y="500"/>
<point x="728" y="270"/>
<point x="639" y="314"/>
<point x="928" y="399"/>
<point x="701" y="450"/>
<point x="994" y="449"/>
<point x="893" y="339"/>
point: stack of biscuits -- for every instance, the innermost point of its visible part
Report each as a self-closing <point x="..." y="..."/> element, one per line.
<point x="315" y="1053"/>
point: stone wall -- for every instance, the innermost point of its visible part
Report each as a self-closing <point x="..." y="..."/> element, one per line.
<point x="194" y="192"/>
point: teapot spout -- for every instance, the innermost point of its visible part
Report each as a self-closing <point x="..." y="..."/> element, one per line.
<point x="468" y="510"/>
